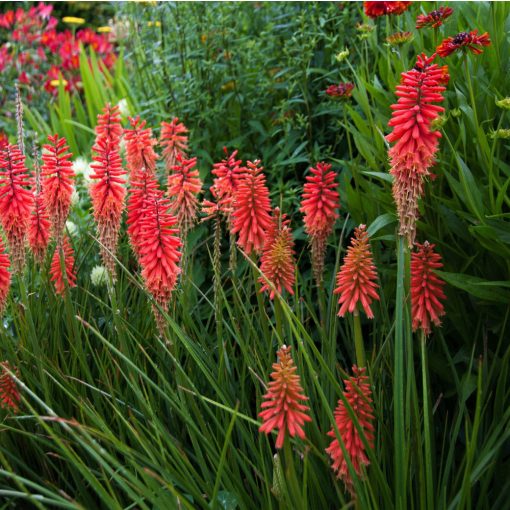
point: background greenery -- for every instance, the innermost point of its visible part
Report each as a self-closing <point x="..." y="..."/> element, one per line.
<point x="116" y="417"/>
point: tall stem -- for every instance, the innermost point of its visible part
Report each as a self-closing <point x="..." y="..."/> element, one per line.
<point x="358" y="340"/>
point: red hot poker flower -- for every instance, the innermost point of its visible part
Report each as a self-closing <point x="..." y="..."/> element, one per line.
<point x="159" y="251"/>
<point x="9" y="394"/>
<point x="57" y="276"/>
<point x="359" y="396"/>
<point x="434" y="19"/>
<point x="109" y="124"/>
<point x="57" y="184"/>
<point x="139" y="147"/>
<point x="252" y="206"/>
<point x="320" y="204"/>
<point x="16" y="202"/>
<point x="356" y="279"/>
<point x="5" y="276"/>
<point x="277" y="261"/>
<point x="464" y="40"/>
<point x="282" y="409"/>
<point x="107" y="194"/>
<point x="416" y="143"/>
<point x="377" y="9"/>
<point x="426" y="288"/>
<point x="39" y="230"/>
<point x="184" y="185"/>
<point x="174" y="140"/>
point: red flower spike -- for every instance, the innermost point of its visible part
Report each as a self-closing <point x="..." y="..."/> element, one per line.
<point x="377" y="9"/>
<point x="359" y="395"/>
<point x="16" y="202"/>
<point x="426" y="288"/>
<point x="228" y="173"/>
<point x="159" y="251"/>
<point x="416" y="144"/>
<point x="434" y="19"/>
<point x="57" y="277"/>
<point x="465" y="40"/>
<point x="57" y="185"/>
<point x="356" y="279"/>
<point x="184" y="185"/>
<point x="39" y="230"/>
<point x="9" y="394"/>
<point x="109" y="124"/>
<point x="5" y="277"/>
<point x="282" y="409"/>
<point x="174" y="140"/>
<point x="108" y="194"/>
<point x="139" y="147"/>
<point x="319" y="204"/>
<point x="277" y="261"/>
<point x="252" y="206"/>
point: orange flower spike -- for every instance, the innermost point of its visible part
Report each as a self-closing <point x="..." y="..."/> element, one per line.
<point x="16" y="202"/>
<point x="159" y="249"/>
<point x="252" y="206"/>
<point x="109" y="124"/>
<point x="9" y="394"/>
<point x="359" y="395"/>
<point x="426" y="288"/>
<point x="5" y="276"/>
<point x="277" y="262"/>
<point x="108" y="192"/>
<point x="356" y="279"/>
<point x="184" y="185"/>
<point x="416" y="144"/>
<point x="57" y="183"/>
<point x="39" y="230"/>
<point x="282" y="409"/>
<point x="174" y="140"/>
<point x="57" y="277"/>
<point x="139" y="147"/>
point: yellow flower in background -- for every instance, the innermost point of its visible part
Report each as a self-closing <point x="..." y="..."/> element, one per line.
<point x="56" y="83"/>
<point x="104" y="30"/>
<point x="71" y="20"/>
<point x="230" y="85"/>
<point x="342" y="55"/>
<point x="153" y="23"/>
<point x="203" y="38"/>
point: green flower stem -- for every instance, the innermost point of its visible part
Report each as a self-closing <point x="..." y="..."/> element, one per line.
<point x="358" y="339"/>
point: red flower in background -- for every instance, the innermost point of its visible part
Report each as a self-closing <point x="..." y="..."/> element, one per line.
<point x="9" y="394"/>
<point x="252" y="206"/>
<point x="434" y="19"/>
<point x="16" y="202"/>
<point x="5" y="276"/>
<point x="464" y="40"/>
<point x="4" y="140"/>
<point x="277" y="262"/>
<point x="359" y="396"/>
<point x="282" y="409"/>
<point x="342" y="90"/>
<point x="426" y="288"/>
<point x="377" y="9"/>
<point x="57" y="182"/>
<point x="174" y="140"/>
<point x="58" y="277"/>
<point x="139" y="147"/>
<point x="184" y="185"/>
<point x="416" y="143"/>
<point x="356" y="279"/>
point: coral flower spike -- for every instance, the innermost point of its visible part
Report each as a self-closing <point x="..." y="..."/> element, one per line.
<point x="57" y="183"/>
<point x="359" y="395"/>
<point x="39" y="230"/>
<point x="140" y="154"/>
<point x="16" y="202"/>
<point x="174" y="140"/>
<point x="426" y="288"/>
<point x="9" y="394"/>
<point x="320" y="204"/>
<point x="5" y="277"/>
<point x="277" y="261"/>
<point x="356" y="279"/>
<point x="251" y="215"/>
<point x="282" y="409"/>
<point x="57" y="276"/>
<point x="416" y="142"/>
